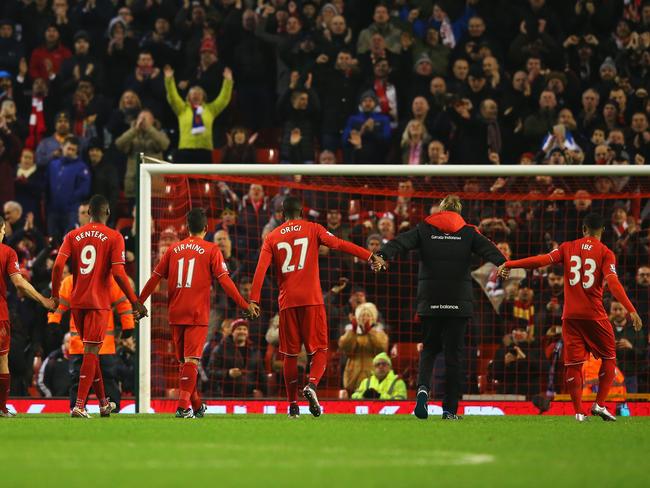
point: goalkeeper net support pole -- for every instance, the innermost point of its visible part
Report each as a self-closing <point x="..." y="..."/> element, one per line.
<point x="159" y="182"/>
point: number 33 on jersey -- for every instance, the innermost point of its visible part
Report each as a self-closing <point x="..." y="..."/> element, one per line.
<point x="587" y="262"/>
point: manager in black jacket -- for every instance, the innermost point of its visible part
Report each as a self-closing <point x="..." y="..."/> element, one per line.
<point x="444" y="301"/>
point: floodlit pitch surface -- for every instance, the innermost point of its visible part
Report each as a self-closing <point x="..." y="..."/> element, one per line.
<point x="331" y="451"/>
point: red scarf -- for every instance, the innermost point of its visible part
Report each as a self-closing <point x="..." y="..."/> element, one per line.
<point x="36" y="124"/>
<point x="380" y="90"/>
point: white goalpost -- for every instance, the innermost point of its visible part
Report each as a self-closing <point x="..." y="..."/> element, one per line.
<point x="153" y="167"/>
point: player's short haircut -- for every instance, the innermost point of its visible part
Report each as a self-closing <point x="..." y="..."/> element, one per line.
<point x="594" y="222"/>
<point x="98" y="207"/>
<point x="197" y="220"/>
<point x="451" y="203"/>
<point x="292" y="207"/>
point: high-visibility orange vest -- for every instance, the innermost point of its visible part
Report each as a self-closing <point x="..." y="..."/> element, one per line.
<point x="590" y="373"/>
<point x="119" y="303"/>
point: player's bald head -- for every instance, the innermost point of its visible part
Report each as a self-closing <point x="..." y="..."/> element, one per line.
<point x="291" y="207"/>
<point x="593" y="224"/>
<point x="99" y="209"/>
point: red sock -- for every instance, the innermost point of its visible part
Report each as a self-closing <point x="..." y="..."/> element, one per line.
<point x="606" y="376"/>
<point x="5" y="383"/>
<point x="86" y="378"/>
<point x="187" y="384"/>
<point x="195" y="399"/>
<point x="290" y="367"/>
<point x="574" y="385"/>
<point x="317" y="366"/>
<point x="98" y="383"/>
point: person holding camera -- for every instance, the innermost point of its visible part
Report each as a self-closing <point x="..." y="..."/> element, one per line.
<point x="384" y="384"/>
<point x="445" y="243"/>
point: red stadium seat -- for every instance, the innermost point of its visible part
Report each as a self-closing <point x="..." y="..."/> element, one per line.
<point x="267" y="155"/>
<point x="216" y="156"/>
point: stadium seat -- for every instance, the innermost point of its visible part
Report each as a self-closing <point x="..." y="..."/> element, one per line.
<point x="216" y="156"/>
<point x="267" y="155"/>
<point x="485" y="355"/>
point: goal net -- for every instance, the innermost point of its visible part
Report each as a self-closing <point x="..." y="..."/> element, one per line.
<point x="513" y="346"/>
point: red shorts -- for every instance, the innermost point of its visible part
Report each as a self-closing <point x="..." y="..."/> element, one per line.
<point x="91" y="324"/>
<point x="582" y="337"/>
<point x="5" y="337"/>
<point x="303" y="325"/>
<point x="189" y="340"/>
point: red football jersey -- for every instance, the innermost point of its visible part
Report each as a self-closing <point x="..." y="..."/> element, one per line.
<point x="8" y="266"/>
<point x="93" y="249"/>
<point x="587" y="262"/>
<point x="293" y="246"/>
<point x="189" y="266"/>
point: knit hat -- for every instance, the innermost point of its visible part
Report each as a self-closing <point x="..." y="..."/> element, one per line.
<point x="208" y="45"/>
<point x="82" y="34"/>
<point x="476" y="71"/>
<point x="329" y="6"/>
<point x="368" y="94"/>
<point x="239" y="323"/>
<point x="423" y="58"/>
<point x="608" y="63"/>
<point x="557" y="75"/>
<point x="382" y="356"/>
<point x="5" y="74"/>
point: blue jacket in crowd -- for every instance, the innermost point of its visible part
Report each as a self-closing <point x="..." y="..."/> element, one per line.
<point x="68" y="184"/>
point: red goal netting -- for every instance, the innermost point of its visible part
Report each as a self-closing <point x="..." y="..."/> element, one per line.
<point x="514" y="342"/>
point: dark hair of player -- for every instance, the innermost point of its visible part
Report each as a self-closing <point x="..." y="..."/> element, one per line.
<point x="593" y="224"/>
<point x="197" y="221"/>
<point x="292" y="208"/>
<point x="98" y="208"/>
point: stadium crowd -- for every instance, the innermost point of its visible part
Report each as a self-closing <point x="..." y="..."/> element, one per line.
<point x="87" y="85"/>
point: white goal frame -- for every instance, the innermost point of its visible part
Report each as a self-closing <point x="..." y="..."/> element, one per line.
<point x="152" y="166"/>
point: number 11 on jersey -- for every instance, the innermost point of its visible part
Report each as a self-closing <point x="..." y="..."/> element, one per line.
<point x="190" y="273"/>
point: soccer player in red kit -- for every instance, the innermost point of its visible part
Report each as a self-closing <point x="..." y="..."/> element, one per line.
<point x="588" y="263"/>
<point x="10" y="268"/>
<point x="293" y="246"/>
<point x="97" y="253"/>
<point x="190" y="266"/>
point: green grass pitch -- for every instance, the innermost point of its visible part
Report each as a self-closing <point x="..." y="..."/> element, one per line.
<point x="331" y="451"/>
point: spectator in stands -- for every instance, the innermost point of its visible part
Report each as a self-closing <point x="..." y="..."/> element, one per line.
<point x="381" y="25"/>
<point x="437" y="52"/>
<point x="53" y="377"/>
<point x="80" y="65"/>
<point x="222" y="239"/>
<point x="363" y="339"/>
<point x="50" y="147"/>
<point x="46" y="60"/>
<point x="10" y="147"/>
<point x="147" y="82"/>
<point x="14" y="219"/>
<point x="630" y="346"/>
<point x="144" y="136"/>
<point x="104" y="176"/>
<point x="235" y="367"/>
<point x="240" y="147"/>
<point x="383" y="384"/>
<point x="436" y="153"/>
<point x="384" y="90"/>
<point x="415" y="139"/>
<point x="517" y="365"/>
<point x="11" y="50"/>
<point x="299" y="108"/>
<point x="538" y="124"/>
<point x="367" y="134"/>
<point x="195" y="117"/>
<point x="68" y="185"/>
<point x="29" y="186"/>
<point x="337" y="85"/>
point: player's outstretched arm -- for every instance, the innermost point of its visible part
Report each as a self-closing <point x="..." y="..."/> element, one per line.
<point x="57" y="274"/>
<point x="122" y="281"/>
<point x="618" y="291"/>
<point x="231" y="290"/>
<point x="149" y="287"/>
<point x="26" y="287"/>
<point x="330" y="240"/>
